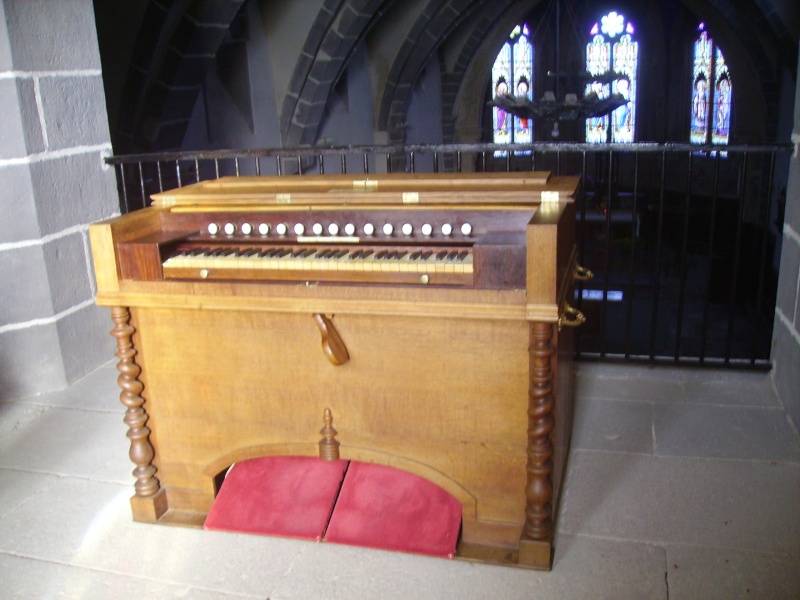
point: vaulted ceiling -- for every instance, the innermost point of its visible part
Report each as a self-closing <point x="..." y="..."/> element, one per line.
<point x="155" y="64"/>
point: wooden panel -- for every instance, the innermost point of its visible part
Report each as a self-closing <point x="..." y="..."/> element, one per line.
<point x="500" y="261"/>
<point x="141" y="259"/>
<point x="396" y="396"/>
<point x="106" y="235"/>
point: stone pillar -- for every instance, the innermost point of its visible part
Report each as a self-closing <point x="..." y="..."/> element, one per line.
<point x="53" y="183"/>
<point x="786" y="332"/>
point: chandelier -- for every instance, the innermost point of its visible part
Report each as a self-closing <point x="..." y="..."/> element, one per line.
<point x="571" y="107"/>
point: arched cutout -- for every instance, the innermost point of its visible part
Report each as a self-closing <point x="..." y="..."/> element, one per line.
<point x="347" y="502"/>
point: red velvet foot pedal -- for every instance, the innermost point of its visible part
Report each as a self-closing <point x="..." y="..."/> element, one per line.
<point x="289" y="496"/>
<point x="382" y="507"/>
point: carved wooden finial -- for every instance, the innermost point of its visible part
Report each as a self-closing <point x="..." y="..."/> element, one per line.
<point x="328" y="445"/>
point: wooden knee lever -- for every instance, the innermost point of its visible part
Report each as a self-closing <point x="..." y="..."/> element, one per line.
<point x="332" y="344"/>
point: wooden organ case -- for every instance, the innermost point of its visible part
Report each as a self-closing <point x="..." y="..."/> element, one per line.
<point x="428" y="313"/>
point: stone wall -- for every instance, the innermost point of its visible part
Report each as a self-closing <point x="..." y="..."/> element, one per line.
<point x="53" y="137"/>
<point x="786" y="332"/>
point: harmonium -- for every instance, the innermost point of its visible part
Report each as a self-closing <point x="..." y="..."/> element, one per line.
<point x="416" y="321"/>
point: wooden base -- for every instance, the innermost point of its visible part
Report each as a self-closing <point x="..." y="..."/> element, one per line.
<point x="535" y="554"/>
<point x="485" y="437"/>
<point x="528" y="555"/>
<point x="149" y="509"/>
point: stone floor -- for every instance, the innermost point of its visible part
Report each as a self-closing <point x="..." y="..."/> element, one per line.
<point x="681" y="484"/>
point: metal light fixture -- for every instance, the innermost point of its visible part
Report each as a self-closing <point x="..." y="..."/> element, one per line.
<point x="570" y="108"/>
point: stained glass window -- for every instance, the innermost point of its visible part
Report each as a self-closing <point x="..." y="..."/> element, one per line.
<point x="711" y="93"/>
<point x="512" y="74"/>
<point x="613" y="48"/>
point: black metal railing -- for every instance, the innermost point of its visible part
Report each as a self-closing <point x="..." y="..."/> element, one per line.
<point x="680" y="237"/>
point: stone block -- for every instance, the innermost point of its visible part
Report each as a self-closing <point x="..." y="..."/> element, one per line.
<point x="74" y="111"/>
<point x="792" y="215"/>
<point x="739" y="388"/>
<point x="68" y="271"/>
<point x="308" y="113"/>
<point x="30" y="362"/>
<point x="84" y="340"/>
<point x="613" y="425"/>
<point x="316" y="90"/>
<point x="12" y="132"/>
<point x="6" y="63"/>
<point x="71" y="443"/>
<point x="287" y="111"/>
<point x="16" y="205"/>
<point x="320" y="79"/>
<point x="24" y="289"/>
<point x="73" y="190"/>
<point x="718" y="574"/>
<point x="787" y="283"/>
<point x="718" y="431"/>
<point x="786" y="357"/>
<point x="52" y="36"/>
<point x="29" y="114"/>
<point x="690" y="501"/>
<point x="348" y="21"/>
<point x="298" y="80"/>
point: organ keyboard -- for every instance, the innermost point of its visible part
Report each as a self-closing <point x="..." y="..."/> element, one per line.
<point x="440" y="302"/>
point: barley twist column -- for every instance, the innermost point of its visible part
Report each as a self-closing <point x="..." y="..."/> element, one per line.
<point x="539" y="489"/>
<point x="141" y="451"/>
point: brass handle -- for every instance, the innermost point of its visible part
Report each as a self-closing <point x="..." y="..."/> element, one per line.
<point x="576" y="318"/>
<point x="582" y="273"/>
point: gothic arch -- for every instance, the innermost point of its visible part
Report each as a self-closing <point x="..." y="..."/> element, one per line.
<point x="463" y="103"/>
<point x="338" y="28"/>
<point x="176" y="47"/>
<point x="178" y="43"/>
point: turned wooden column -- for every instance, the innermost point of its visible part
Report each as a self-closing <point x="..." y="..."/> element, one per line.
<point x="149" y="502"/>
<point x="537" y="532"/>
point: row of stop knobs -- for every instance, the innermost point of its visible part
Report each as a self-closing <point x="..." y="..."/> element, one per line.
<point x="282" y="229"/>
